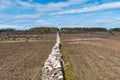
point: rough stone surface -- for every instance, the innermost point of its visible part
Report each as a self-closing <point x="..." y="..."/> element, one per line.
<point x="52" y="69"/>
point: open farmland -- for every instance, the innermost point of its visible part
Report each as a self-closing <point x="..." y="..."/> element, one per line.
<point x="93" y="56"/>
<point x="23" y="60"/>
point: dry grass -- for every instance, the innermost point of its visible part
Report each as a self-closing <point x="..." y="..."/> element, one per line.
<point x="68" y="68"/>
<point x="24" y="60"/>
<point x="93" y="59"/>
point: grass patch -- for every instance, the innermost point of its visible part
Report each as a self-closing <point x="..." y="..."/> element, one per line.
<point x="67" y="69"/>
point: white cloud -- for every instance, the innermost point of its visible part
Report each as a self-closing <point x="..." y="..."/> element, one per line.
<point x="26" y="16"/>
<point x="4" y="4"/>
<point x="5" y="16"/>
<point x="112" y="5"/>
<point x="14" y="4"/>
<point x="72" y="2"/>
<point x="36" y="19"/>
<point x="117" y="18"/>
<point x="24" y="4"/>
<point x="56" y="6"/>
<point x="42" y="9"/>
<point x="8" y="26"/>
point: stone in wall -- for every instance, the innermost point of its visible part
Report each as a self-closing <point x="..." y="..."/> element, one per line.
<point x="52" y="69"/>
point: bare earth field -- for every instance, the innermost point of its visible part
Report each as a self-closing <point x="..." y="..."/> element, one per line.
<point x="21" y="60"/>
<point x="93" y="57"/>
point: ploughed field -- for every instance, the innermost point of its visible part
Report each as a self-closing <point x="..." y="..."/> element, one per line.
<point x="23" y="60"/>
<point x="93" y="57"/>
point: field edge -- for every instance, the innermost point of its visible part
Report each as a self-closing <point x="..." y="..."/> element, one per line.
<point x="68" y="66"/>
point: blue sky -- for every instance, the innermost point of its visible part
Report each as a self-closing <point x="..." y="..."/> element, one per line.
<point x="24" y="14"/>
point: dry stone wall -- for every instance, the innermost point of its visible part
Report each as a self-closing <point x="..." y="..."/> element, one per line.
<point x="53" y="69"/>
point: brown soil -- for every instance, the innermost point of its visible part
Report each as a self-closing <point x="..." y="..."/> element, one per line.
<point x="24" y="60"/>
<point x="93" y="59"/>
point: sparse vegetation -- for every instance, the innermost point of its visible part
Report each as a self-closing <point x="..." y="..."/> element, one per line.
<point x="26" y="35"/>
<point x="68" y="67"/>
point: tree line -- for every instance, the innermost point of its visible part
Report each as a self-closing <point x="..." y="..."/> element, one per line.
<point x="36" y="30"/>
<point x="72" y="30"/>
<point x="43" y="30"/>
